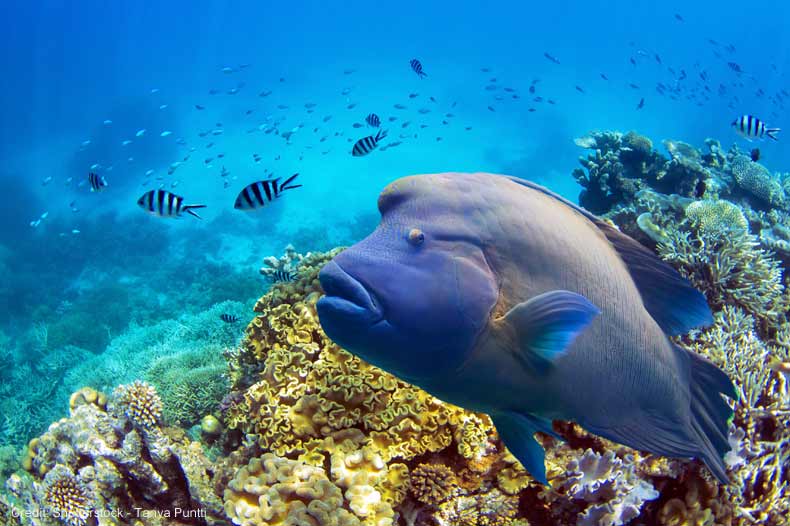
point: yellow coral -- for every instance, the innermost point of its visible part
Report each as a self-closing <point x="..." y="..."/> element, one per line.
<point x="272" y="491"/>
<point x="433" y="483"/>
<point x="87" y="395"/>
<point x="310" y="389"/>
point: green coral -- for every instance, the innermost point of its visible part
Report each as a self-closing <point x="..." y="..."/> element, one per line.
<point x="191" y="384"/>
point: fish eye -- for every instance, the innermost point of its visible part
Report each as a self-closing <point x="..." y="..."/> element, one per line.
<point x="416" y="237"/>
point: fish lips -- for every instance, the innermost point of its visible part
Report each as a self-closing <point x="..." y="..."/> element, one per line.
<point x="348" y="305"/>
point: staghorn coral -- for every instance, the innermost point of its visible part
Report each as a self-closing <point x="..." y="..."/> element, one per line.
<point x="101" y="460"/>
<point x="271" y="490"/>
<point x="140" y="403"/>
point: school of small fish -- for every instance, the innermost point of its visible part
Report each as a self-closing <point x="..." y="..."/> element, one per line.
<point x="312" y="128"/>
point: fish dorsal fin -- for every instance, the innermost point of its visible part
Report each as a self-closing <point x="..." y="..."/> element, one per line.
<point x="546" y="325"/>
<point x="668" y="297"/>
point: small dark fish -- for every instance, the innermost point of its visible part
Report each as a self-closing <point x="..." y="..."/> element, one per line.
<point x="348" y="71"/>
<point x="260" y="193"/>
<point x="166" y="204"/>
<point x="633" y="86"/>
<point x="509" y="90"/>
<point x="551" y="58"/>
<point x="373" y="120"/>
<point x="265" y="93"/>
<point x="199" y="107"/>
<point x="248" y="112"/>
<point x="735" y="67"/>
<point x="658" y="59"/>
<point x="367" y="144"/>
<point x="641" y="104"/>
<point x="632" y="60"/>
<point x="413" y="95"/>
<point x="678" y="17"/>
<point x="97" y="183"/>
<point x="491" y="87"/>
<point x="416" y="66"/>
<point x="282" y="106"/>
<point x="309" y="105"/>
<point x="405" y="124"/>
<point x="490" y="108"/>
<point x="532" y="89"/>
<point x="228" y="318"/>
<point x="399" y="107"/>
<point x="392" y="119"/>
<point x="283" y="276"/>
<point x="351" y="106"/>
<point x="326" y="119"/>
<point x="423" y="111"/>
<point x="580" y="89"/>
<point x="485" y="70"/>
<point x="432" y="99"/>
<point x="357" y="125"/>
<point x="755" y="154"/>
<point x="532" y="110"/>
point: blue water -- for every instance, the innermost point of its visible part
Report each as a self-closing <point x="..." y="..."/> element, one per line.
<point x="69" y="66"/>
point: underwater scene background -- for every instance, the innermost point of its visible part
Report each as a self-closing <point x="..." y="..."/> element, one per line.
<point x="161" y="370"/>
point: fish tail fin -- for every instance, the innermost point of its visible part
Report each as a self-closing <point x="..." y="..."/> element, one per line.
<point x="189" y="209"/>
<point x="422" y="74"/>
<point x="771" y="132"/>
<point x="711" y="415"/>
<point x="381" y="134"/>
<point x="285" y="184"/>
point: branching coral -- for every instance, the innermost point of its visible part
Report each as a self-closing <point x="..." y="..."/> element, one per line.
<point x="730" y="268"/>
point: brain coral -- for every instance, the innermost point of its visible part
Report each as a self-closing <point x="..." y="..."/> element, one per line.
<point x="717" y="217"/>
<point x="754" y="179"/>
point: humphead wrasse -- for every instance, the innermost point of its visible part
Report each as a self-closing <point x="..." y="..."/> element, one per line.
<point x="496" y="295"/>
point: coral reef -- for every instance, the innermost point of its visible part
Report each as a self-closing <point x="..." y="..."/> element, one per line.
<point x="115" y="465"/>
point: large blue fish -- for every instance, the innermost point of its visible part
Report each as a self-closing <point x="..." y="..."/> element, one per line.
<point x="496" y="295"/>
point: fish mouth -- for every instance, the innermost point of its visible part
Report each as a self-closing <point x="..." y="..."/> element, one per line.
<point x="345" y="294"/>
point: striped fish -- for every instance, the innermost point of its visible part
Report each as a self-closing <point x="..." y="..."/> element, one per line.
<point x="166" y="204"/>
<point x="259" y="193"/>
<point x="367" y="144"/>
<point x="282" y="275"/>
<point x="97" y="182"/>
<point x="373" y="120"/>
<point x="228" y="318"/>
<point x="417" y="67"/>
<point x="750" y="127"/>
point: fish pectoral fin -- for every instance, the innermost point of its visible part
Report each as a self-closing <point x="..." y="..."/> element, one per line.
<point x="546" y="324"/>
<point x="516" y="430"/>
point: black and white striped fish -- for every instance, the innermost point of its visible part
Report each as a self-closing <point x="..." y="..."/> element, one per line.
<point x="367" y="144"/>
<point x="228" y="318"/>
<point x="166" y="204"/>
<point x="373" y="120"/>
<point x="417" y="67"/>
<point x="750" y="127"/>
<point x="282" y="275"/>
<point x="97" y="182"/>
<point x="259" y="193"/>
